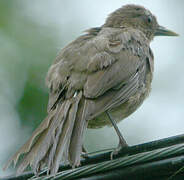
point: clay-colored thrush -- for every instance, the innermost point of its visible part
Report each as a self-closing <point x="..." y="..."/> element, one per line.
<point x="98" y="79"/>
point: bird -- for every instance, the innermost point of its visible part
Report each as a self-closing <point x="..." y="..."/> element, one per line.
<point x="97" y="80"/>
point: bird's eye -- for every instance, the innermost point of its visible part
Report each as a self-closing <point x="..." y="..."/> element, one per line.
<point x="149" y="19"/>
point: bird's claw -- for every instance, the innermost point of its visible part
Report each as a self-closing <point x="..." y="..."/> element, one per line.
<point x="84" y="155"/>
<point x="121" y="145"/>
<point x="115" y="152"/>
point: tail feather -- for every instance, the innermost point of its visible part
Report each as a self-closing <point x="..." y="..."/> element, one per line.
<point x="27" y="146"/>
<point x="30" y="157"/>
<point x="50" y="138"/>
<point x="53" y="141"/>
<point x="75" y="148"/>
<point x="61" y="143"/>
<point x="64" y="140"/>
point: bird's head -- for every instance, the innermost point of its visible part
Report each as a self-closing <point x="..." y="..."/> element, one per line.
<point x="137" y="17"/>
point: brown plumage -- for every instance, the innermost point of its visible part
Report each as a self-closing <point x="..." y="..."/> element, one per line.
<point x="109" y="69"/>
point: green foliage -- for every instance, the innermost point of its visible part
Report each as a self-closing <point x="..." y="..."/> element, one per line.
<point x="28" y="50"/>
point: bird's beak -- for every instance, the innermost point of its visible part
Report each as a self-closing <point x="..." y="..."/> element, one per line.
<point x="162" y="31"/>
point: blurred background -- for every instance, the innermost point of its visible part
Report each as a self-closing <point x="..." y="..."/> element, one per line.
<point x="32" y="33"/>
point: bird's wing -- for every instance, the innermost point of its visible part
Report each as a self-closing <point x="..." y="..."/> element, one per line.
<point x="115" y="80"/>
<point x="121" y="59"/>
<point x="96" y="64"/>
<point x="115" y="76"/>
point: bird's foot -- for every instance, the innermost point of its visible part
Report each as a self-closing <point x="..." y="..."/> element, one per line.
<point x="121" y="146"/>
<point x="84" y="153"/>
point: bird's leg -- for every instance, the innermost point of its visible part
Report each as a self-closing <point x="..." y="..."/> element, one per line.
<point x="122" y="142"/>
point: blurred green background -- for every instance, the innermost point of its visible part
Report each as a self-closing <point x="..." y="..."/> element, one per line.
<point x="32" y="33"/>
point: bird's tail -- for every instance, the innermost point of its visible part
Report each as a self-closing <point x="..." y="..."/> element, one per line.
<point x="57" y="139"/>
